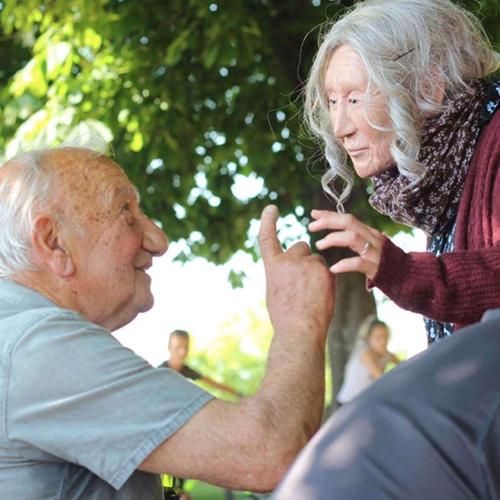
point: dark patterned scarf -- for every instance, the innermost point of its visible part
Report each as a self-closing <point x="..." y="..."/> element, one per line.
<point x="448" y="143"/>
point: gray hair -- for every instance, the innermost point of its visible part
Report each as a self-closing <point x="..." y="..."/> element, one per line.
<point x="21" y="193"/>
<point x="24" y="191"/>
<point x="409" y="48"/>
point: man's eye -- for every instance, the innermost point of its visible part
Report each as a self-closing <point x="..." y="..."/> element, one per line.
<point x="126" y="207"/>
<point x="332" y="101"/>
<point x="353" y="100"/>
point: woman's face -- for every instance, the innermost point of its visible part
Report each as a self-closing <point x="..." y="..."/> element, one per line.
<point x="378" y="339"/>
<point x="352" y="108"/>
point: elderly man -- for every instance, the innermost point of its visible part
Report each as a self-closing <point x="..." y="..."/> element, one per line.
<point x="84" y="417"/>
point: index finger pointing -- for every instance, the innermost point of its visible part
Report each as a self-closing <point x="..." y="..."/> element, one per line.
<point x="268" y="239"/>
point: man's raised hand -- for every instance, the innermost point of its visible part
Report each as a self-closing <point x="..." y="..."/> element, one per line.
<point x="300" y="289"/>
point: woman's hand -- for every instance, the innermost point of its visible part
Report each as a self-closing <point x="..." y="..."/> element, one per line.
<point x="347" y="231"/>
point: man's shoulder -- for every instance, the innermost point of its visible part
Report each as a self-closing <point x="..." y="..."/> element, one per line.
<point x="32" y="326"/>
<point x="22" y="308"/>
<point x="27" y="318"/>
<point x="469" y="356"/>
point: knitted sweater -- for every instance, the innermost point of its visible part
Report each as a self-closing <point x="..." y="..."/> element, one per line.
<point x="456" y="287"/>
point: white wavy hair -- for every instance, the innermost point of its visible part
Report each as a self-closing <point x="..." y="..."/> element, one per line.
<point x="24" y="191"/>
<point x="409" y="49"/>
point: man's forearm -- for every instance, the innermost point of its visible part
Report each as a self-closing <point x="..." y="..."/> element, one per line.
<point x="250" y="444"/>
<point x="294" y="386"/>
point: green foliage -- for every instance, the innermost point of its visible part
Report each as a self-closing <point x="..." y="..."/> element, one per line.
<point x="237" y="356"/>
<point x="194" y="96"/>
<point x="488" y="11"/>
<point x="204" y="491"/>
<point x="191" y="106"/>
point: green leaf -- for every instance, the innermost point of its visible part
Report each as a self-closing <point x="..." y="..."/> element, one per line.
<point x="58" y="55"/>
<point x="137" y="142"/>
<point x="210" y="55"/>
<point x="176" y="48"/>
<point x="91" y="39"/>
<point x="31" y="78"/>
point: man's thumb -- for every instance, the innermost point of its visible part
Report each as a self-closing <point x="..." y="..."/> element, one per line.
<point x="268" y="239"/>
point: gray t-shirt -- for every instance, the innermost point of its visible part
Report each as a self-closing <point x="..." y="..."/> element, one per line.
<point x="79" y="412"/>
<point x="427" y="430"/>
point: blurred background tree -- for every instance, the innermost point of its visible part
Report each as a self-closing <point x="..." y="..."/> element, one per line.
<point x="200" y="101"/>
<point x="235" y="355"/>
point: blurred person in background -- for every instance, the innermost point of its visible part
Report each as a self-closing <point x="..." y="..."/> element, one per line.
<point x="368" y="361"/>
<point x="178" y="348"/>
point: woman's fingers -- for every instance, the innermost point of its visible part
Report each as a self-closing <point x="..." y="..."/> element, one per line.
<point x="346" y="231"/>
<point x="326" y="219"/>
<point x="355" y="264"/>
<point x="348" y="239"/>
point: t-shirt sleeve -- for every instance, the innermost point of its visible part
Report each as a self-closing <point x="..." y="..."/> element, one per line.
<point x="76" y="393"/>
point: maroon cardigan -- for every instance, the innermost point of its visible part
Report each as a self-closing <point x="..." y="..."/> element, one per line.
<point x="456" y="287"/>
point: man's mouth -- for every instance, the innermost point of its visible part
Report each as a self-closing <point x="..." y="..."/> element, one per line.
<point x="143" y="267"/>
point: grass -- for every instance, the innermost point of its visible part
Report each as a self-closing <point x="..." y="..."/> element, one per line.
<point x="204" y="491"/>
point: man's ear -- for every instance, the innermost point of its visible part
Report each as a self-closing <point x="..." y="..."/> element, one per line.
<point x="48" y="247"/>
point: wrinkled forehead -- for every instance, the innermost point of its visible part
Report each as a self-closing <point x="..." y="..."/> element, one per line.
<point x="345" y="63"/>
<point x="72" y="165"/>
<point x="87" y="178"/>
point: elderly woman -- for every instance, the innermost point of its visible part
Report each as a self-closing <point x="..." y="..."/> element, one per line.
<point x="400" y="87"/>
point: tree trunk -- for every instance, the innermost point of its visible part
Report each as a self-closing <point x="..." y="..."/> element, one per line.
<point x="353" y="304"/>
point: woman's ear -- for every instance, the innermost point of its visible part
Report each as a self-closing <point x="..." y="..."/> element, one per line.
<point x="48" y="248"/>
<point x="434" y="88"/>
<point x="438" y="90"/>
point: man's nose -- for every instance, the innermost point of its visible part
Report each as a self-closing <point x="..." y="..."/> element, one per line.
<point x="155" y="241"/>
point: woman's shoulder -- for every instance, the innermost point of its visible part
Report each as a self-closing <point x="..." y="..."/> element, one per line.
<point x="490" y="117"/>
<point x="368" y="355"/>
<point x="487" y="152"/>
<point x="492" y="102"/>
<point x="492" y="128"/>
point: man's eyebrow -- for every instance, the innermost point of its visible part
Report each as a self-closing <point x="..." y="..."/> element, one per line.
<point x="137" y="194"/>
<point x="127" y="191"/>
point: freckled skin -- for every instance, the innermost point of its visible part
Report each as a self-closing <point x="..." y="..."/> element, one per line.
<point x="102" y="229"/>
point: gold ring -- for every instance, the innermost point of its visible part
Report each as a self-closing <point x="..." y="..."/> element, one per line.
<point x="365" y="249"/>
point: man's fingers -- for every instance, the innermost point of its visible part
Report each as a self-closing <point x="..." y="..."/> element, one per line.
<point x="300" y="248"/>
<point x="268" y="239"/>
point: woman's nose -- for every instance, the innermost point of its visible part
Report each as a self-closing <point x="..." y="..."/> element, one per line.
<point x="342" y="124"/>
